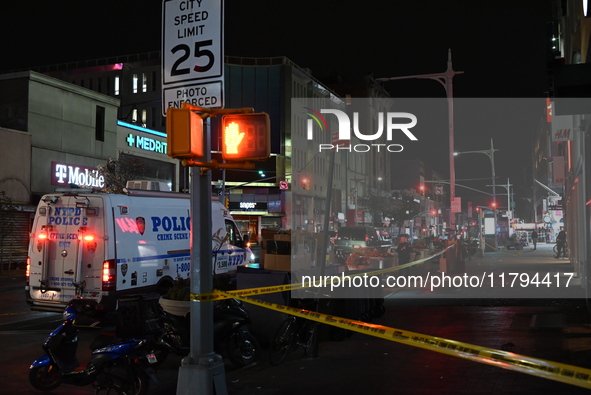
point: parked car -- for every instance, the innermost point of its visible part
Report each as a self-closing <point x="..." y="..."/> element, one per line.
<point x="351" y="237"/>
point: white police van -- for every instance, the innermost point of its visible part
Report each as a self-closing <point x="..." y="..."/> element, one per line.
<point x="102" y="246"/>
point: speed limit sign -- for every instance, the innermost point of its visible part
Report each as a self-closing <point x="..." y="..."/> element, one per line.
<point x="192" y="53"/>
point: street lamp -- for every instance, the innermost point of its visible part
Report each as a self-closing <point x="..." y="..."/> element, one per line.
<point x="491" y="155"/>
<point x="445" y="79"/>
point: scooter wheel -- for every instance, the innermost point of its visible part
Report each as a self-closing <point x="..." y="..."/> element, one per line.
<point x="124" y="380"/>
<point x="45" y="378"/>
<point x="242" y="348"/>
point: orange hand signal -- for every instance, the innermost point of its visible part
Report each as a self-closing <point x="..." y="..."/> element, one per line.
<point x="233" y="138"/>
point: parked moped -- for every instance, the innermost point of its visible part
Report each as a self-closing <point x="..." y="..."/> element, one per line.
<point x="232" y="338"/>
<point x="122" y="366"/>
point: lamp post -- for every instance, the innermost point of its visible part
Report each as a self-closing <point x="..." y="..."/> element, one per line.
<point x="445" y="79"/>
<point x="491" y="155"/>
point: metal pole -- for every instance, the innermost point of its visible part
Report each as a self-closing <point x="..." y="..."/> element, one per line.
<point x="327" y="211"/>
<point x="449" y="73"/>
<point x="492" y="162"/>
<point x="445" y="79"/>
<point x="509" y="199"/>
<point x="202" y="371"/>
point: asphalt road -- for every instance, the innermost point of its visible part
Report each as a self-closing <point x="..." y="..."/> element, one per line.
<point x="547" y="328"/>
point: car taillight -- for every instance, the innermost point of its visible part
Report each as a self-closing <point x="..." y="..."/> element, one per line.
<point x="109" y="277"/>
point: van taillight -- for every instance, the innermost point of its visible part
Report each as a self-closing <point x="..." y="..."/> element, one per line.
<point x="28" y="270"/>
<point x="109" y="275"/>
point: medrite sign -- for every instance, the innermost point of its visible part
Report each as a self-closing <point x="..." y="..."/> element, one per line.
<point x="192" y="53"/>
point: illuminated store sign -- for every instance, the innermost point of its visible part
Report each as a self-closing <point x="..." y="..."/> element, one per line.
<point x="146" y="143"/>
<point x="64" y="174"/>
<point x="142" y="142"/>
<point x="248" y="206"/>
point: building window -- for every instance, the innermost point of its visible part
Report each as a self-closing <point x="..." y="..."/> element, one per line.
<point x="116" y="86"/>
<point x="144" y="117"/>
<point x="144" y="82"/>
<point x="134" y="115"/>
<point x="135" y="83"/>
<point x="99" y="125"/>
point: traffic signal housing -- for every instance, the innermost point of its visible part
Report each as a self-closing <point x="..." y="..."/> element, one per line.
<point x="184" y="129"/>
<point x="246" y="137"/>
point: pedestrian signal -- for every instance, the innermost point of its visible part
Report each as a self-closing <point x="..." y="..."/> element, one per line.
<point x="184" y="130"/>
<point x="246" y="137"/>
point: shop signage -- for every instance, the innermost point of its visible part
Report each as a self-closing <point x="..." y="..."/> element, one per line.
<point x="456" y="205"/>
<point x="146" y="143"/>
<point x="64" y="174"/>
<point x="562" y="128"/>
<point x="248" y="206"/>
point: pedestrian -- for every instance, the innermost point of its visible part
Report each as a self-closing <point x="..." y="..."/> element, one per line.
<point x="534" y="238"/>
<point x="561" y="244"/>
<point x="404" y="249"/>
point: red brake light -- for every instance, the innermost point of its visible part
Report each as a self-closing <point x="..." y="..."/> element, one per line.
<point x="109" y="282"/>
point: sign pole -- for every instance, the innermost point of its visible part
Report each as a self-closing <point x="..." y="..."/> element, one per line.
<point x="202" y="371"/>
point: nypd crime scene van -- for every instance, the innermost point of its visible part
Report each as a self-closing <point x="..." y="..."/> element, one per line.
<point x="103" y="246"/>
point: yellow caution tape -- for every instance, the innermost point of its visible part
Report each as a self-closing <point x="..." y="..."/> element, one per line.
<point x="289" y="287"/>
<point x="503" y="359"/>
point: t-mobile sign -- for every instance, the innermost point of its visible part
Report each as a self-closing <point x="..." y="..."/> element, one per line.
<point x="64" y="174"/>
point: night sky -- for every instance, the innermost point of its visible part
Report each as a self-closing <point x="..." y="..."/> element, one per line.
<point x="500" y="45"/>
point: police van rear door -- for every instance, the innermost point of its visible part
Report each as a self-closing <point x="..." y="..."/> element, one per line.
<point x="66" y="249"/>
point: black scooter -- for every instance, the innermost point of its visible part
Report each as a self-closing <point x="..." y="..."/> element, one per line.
<point x="122" y="366"/>
<point x="232" y="338"/>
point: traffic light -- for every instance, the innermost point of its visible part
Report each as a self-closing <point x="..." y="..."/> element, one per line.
<point x="494" y="205"/>
<point x="305" y="182"/>
<point x="184" y="130"/>
<point x="433" y="213"/>
<point x="422" y="189"/>
<point x="227" y="202"/>
<point x="246" y="137"/>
